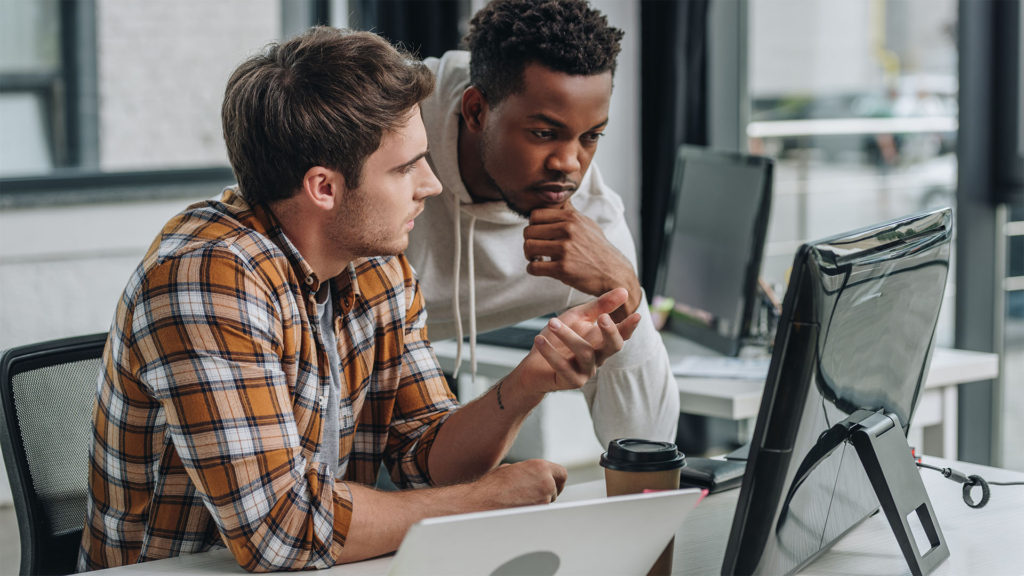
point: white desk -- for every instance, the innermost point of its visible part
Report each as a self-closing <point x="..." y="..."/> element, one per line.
<point x="985" y="541"/>
<point x="934" y="429"/>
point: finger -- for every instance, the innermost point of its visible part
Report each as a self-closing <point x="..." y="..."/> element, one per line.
<point x="627" y="326"/>
<point x="560" y="475"/>
<point x="568" y="370"/>
<point x="533" y="249"/>
<point x="554" y="359"/>
<point x="606" y="304"/>
<point x="611" y="341"/>
<point x="550" y="215"/>
<point x="548" y="268"/>
<point x="546" y="231"/>
<point x="578" y="346"/>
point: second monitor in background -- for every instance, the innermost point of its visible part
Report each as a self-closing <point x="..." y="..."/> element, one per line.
<point x="714" y="240"/>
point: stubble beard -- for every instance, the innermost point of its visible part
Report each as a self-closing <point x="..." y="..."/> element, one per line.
<point x="485" y="146"/>
<point x="356" y="238"/>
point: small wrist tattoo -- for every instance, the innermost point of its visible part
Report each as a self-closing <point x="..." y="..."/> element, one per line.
<point x="498" y="390"/>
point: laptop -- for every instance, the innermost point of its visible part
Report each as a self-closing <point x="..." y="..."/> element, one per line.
<point x="617" y="536"/>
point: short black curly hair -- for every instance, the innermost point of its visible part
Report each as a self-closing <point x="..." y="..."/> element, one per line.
<point x="564" y="35"/>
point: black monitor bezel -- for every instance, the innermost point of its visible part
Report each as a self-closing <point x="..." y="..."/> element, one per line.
<point x="704" y="336"/>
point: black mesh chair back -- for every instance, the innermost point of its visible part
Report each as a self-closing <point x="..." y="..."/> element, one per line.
<point x="48" y="391"/>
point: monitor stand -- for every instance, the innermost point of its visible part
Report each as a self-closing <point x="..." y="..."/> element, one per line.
<point x="885" y="454"/>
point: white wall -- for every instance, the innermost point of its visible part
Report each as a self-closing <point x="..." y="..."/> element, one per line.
<point x="162" y="68"/>
<point x="62" y="269"/>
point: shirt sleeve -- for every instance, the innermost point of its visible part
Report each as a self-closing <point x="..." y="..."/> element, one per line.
<point x="424" y="401"/>
<point x="209" y="338"/>
<point x="634" y="394"/>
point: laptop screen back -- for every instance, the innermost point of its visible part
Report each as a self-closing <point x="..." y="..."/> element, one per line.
<point x="619" y="535"/>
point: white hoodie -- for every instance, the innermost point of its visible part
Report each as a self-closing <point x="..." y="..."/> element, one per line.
<point x="461" y="249"/>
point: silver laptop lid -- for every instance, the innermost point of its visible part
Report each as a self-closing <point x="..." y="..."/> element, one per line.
<point x="616" y="536"/>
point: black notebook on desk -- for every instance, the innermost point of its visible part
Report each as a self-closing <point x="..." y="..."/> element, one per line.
<point x="519" y="335"/>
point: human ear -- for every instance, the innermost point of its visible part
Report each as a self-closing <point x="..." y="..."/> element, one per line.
<point x="322" y="187"/>
<point x="474" y="108"/>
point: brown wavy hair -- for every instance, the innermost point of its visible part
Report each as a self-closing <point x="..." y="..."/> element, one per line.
<point x="324" y="98"/>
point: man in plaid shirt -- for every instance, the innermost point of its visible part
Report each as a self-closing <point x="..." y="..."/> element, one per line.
<point x="269" y="353"/>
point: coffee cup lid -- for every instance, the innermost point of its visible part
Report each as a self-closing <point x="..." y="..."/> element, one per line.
<point x="635" y="455"/>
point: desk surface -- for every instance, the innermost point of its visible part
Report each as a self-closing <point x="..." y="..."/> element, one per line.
<point x="983" y="541"/>
<point x="728" y="398"/>
<point x="740" y="399"/>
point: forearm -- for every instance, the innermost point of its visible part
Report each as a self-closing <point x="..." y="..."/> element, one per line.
<point x="302" y="526"/>
<point x="477" y="436"/>
<point x="381" y="519"/>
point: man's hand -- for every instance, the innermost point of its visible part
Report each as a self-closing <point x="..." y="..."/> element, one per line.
<point x="520" y="484"/>
<point x="566" y="245"/>
<point x="569" y="350"/>
<point x="564" y="356"/>
<point x="381" y="519"/>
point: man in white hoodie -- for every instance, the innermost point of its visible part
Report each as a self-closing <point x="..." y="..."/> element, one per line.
<point x="522" y="227"/>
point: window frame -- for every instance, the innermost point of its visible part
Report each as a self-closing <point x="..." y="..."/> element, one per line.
<point x="71" y="98"/>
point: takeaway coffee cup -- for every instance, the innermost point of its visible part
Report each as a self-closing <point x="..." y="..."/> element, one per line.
<point x="632" y="466"/>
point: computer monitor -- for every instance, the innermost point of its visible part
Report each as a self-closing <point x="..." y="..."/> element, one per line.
<point x="714" y="239"/>
<point x="850" y="358"/>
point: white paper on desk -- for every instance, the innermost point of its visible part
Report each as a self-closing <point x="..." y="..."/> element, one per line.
<point x="722" y="367"/>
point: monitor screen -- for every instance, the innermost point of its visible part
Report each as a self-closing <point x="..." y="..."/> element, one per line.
<point x="714" y="239"/>
<point x="856" y="335"/>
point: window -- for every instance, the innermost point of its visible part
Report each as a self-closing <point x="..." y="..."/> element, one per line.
<point x="857" y="101"/>
<point x="93" y="91"/>
<point x="32" y="88"/>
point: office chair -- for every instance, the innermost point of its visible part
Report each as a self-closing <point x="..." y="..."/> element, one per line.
<point x="47" y="392"/>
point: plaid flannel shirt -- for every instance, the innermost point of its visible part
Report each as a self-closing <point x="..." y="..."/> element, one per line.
<point x="209" y="410"/>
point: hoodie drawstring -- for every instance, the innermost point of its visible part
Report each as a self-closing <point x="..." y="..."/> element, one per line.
<point x="472" y="298"/>
<point x="457" y="313"/>
<point x="455" y="287"/>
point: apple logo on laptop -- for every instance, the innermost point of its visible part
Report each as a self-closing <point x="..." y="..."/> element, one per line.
<point x="542" y="563"/>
